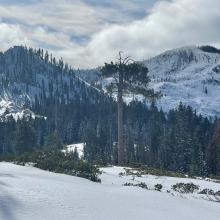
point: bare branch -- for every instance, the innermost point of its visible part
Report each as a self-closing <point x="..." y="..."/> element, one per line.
<point x="129" y="60"/>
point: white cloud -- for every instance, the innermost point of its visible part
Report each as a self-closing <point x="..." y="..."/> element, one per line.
<point x="11" y="35"/>
<point x="167" y="25"/>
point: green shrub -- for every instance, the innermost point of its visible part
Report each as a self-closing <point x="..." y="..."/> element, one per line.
<point x="185" y="187"/>
<point x="143" y="170"/>
<point x="158" y="187"/>
<point x="207" y="192"/>
<point x="56" y="161"/>
<point x="141" y="185"/>
<point x="217" y="193"/>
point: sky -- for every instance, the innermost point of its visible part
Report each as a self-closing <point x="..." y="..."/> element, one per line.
<point x="88" y="33"/>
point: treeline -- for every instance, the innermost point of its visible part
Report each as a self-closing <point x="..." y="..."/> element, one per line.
<point x="179" y="141"/>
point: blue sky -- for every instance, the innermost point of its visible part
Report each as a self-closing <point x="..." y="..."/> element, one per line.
<point x="87" y="33"/>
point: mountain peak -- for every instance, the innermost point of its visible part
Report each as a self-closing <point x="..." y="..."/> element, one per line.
<point x="189" y="75"/>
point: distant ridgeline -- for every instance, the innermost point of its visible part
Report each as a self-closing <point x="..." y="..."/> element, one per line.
<point x="62" y="108"/>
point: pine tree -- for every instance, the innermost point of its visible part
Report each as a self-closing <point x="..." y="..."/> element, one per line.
<point x="128" y="76"/>
<point x="53" y="142"/>
<point x="214" y="150"/>
<point x="25" y="137"/>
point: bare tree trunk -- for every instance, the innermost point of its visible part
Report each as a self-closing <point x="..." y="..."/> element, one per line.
<point x="121" y="150"/>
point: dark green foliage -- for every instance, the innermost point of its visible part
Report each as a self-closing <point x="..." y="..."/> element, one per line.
<point x="158" y="187"/>
<point x="53" y="142"/>
<point x="180" y="141"/>
<point x="135" y="78"/>
<point x="56" y="161"/>
<point x="185" y="187"/>
<point x="207" y="192"/>
<point x="141" y="185"/>
<point x="25" y="137"/>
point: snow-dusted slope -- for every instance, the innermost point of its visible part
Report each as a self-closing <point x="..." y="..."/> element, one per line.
<point x="189" y="75"/>
<point x="27" y="78"/>
<point x="29" y="193"/>
<point x="118" y="176"/>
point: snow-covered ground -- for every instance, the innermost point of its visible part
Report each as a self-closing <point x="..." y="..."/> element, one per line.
<point x="30" y="193"/>
<point x="118" y="176"/>
<point x="72" y="147"/>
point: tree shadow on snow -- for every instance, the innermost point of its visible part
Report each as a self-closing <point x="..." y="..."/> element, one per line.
<point x="7" y="175"/>
<point x="8" y="204"/>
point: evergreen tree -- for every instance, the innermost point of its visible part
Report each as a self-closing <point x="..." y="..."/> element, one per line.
<point x="213" y="152"/>
<point x="128" y="76"/>
<point x="53" y="142"/>
<point x="25" y="137"/>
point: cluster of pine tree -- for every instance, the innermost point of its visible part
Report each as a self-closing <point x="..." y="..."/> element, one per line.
<point x="179" y="140"/>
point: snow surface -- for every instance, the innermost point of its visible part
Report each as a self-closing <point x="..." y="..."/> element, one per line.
<point x="30" y="193"/>
<point x="111" y="175"/>
<point x="72" y="147"/>
<point x="183" y="75"/>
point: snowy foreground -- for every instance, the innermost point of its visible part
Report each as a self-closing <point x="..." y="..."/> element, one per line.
<point x="30" y="193"/>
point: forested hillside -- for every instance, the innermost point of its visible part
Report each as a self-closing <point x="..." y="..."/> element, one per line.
<point x="44" y="104"/>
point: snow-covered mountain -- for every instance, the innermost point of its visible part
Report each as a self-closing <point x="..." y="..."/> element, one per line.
<point x="29" y="78"/>
<point x="190" y="75"/>
<point x="30" y="193"/>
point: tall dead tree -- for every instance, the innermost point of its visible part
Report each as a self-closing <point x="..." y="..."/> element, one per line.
<point x="126" y="77"/>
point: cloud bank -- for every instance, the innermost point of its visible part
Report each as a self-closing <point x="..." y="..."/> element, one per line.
<point x="89" y="33"/>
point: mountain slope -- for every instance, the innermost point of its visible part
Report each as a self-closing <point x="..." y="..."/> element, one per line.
<point x="29" y="77"/>
<point x="30" y="193"/>
<point x="189" y="75"/>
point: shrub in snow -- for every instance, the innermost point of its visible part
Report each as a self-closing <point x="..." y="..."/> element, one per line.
<point x="121" y="174"/>
<point x="217" y="193"/>
<point x="207" y="192"/>
<point x="185" y="187"/>
<point x="142" y="185"/>
<point x="56" y="161"/>
<point x="128" y="184"/>
<point x="158" y="187"/>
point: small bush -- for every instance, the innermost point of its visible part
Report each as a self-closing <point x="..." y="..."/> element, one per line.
<point x="128" y="184"/>
<point x="141" y="185"/>
<point x="185" y="187"/>
<point x="121" y="174"/>
<point x="207" y="192"/>
<point x="217" y="193"/>
<point x="158" y="187"/>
